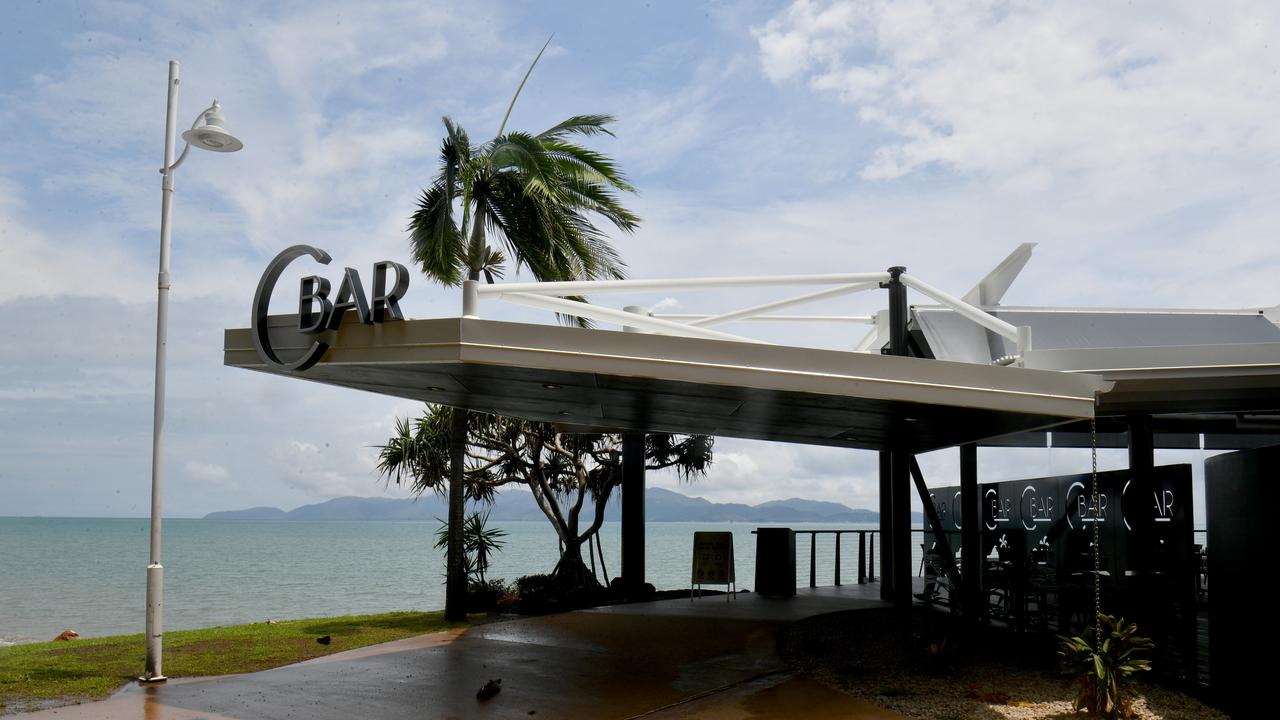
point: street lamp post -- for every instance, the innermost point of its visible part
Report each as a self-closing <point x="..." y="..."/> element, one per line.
<point x="206" y="136"/>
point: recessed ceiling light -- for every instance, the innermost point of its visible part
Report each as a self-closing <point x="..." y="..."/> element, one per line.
<point x="565" y="412"/>
<point x="433" y="388"/>
<point x="909" y="419"/>
<point x="552" y="386"/>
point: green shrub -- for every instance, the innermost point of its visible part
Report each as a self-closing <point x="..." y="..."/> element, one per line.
<point x="496" y="586"/>
<point x="484" y="595"/>
<point x="1104" y="663"/>
<point x="532" y="586"/>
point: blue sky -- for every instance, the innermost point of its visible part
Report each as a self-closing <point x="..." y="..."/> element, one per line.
<point x="1136" y="144"/>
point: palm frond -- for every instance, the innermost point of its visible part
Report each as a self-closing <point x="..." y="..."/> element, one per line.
<point x="588" y="162"/>
<point x="434" y="238"/>
<point x="579" y="125"/>
<point x="537" y="197"/>
<point x="522" y="154"/>
<point x="434" y="235"/>
<point x="523" y="80"/>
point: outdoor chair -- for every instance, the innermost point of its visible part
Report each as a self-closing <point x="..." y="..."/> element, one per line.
<point x="938" y="582"/>
<point x="924" y="553"/>
<point x="995" y="576"/>
<point x="1202" y="572"/>
<point x="1040" y="591"/>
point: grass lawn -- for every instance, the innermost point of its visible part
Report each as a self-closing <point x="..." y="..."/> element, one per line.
<point x="46" y="674"/>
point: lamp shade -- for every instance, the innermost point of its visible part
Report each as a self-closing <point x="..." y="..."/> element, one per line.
<point x="210" y="135"/>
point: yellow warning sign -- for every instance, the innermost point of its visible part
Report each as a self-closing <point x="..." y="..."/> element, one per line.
<point x="713" y="558"/>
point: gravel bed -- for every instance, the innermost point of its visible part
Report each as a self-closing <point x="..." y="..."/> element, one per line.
<point x="861" y="653"/>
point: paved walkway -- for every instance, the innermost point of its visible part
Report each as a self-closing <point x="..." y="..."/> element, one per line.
<point x="708" y="659"/>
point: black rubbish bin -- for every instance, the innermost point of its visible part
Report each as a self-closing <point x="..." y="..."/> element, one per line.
<point x="775" y="562"/>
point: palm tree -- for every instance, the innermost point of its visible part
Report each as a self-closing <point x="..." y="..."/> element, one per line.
<point x="480" y="542"/>
<point x="536" y="196"/>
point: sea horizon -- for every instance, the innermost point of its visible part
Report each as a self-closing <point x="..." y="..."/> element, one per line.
<point x="88" y="574"/>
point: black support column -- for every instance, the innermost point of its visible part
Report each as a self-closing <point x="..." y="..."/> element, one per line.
<point x="1142" y="461"/>
<point x="633" y="512"/>
<point x="900" y="472"/>
<point x="971" y="533"/>
<point x="900" y="462"/>
<point x="886" y="527"/>
<point x="1142" y="447"/>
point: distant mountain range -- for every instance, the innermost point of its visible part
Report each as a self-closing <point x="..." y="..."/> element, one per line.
<point x="660" y="506"/>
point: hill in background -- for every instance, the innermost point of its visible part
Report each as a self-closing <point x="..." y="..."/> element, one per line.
<point x="660" y="506"/>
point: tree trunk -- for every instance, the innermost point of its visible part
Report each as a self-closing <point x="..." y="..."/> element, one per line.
<point x="455" y="597"/>
<point x="571" y="572"/>
<point x="455" y="591"/>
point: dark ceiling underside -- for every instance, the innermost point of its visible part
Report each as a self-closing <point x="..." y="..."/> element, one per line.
<point x="628" y="403"/>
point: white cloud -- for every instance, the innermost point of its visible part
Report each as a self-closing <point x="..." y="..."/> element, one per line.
<point x="212" y="473"/>
<point x="1027" y="94"/>
<point x="808" y="33"/>
<point x="320" y="471"/>
<point x="319" y="50"/>
<point x="35" y="263"/>
<point x="755" y="472"/>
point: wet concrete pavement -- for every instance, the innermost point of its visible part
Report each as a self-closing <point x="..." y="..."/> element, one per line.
<point x="708" y="659"/>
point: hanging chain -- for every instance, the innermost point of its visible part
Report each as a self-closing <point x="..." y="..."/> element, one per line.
<point x="1097" y="532"/>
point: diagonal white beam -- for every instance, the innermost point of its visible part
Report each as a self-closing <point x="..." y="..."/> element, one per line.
<point x="855" y="319"/>
<point x="622" y="317"/>
<point x="784" y="303"/>
<point x="986" y="320"/>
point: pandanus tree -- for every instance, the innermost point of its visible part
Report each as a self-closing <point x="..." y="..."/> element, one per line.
<point x="524" y="199"/>
<point x="571" y="475"/>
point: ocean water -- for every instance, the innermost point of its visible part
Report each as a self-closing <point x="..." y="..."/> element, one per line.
<point x="90" y="574"/>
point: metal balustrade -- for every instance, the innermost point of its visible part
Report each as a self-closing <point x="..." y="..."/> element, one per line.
<point x="868" y="562"/>
<point x="866" y="570"/>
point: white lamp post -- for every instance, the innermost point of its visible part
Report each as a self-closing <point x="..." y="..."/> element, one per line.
<point x="206" y="136"/>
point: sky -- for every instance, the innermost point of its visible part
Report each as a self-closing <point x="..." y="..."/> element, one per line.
<point x="1135" y="143"/>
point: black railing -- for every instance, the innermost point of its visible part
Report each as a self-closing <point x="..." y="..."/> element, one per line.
<point x="868" y="561"/>
<point x="866" y="570"/>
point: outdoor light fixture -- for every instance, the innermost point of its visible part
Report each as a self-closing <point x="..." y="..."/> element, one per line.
<point x="212" y="136"/>
<point x="209" y="136"/>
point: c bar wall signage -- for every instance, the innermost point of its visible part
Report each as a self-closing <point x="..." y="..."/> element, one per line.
<point x="318" y="315"/>
<point x="1037" y="542"/>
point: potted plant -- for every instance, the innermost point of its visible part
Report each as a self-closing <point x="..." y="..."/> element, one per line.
<point x="1104" y="660"/>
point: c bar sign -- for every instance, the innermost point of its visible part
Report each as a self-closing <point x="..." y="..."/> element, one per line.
<point x="317" y="313"/>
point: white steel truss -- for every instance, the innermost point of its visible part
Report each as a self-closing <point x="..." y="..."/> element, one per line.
<point x="558" y="297"/>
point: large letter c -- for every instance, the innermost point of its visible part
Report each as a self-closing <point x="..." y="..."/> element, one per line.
<point x="262" y="301"/>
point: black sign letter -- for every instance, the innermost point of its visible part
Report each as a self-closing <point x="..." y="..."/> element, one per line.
<point x="386" y="304"/>
<point x="313" y="290"/>
<point x="350" y="297"/>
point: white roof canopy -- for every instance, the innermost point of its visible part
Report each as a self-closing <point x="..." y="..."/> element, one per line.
<point x="662" y="383"/>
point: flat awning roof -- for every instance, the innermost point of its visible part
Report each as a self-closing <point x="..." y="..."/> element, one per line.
<point x="1161" y="361"/>
<point x="635" y="381"/>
